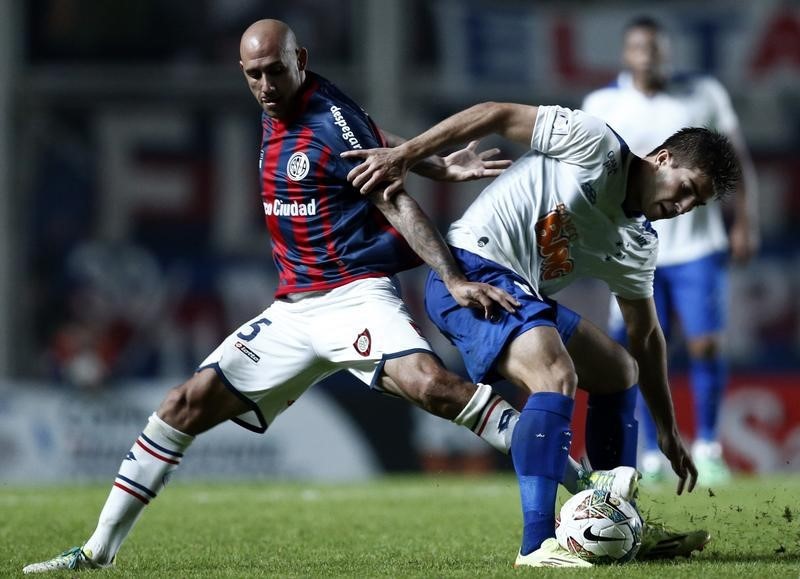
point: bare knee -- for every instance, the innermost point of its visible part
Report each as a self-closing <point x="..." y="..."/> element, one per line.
<point x="556" y="375"/>
<point x="627" y="370"/>
<point x="562" y="379"/>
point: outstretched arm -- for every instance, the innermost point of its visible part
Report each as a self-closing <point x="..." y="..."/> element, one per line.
<point x="465" y="164"/>
<point x="648" y="347"/>
<point x="512" y="121"/>
<point x="406" y="216"/>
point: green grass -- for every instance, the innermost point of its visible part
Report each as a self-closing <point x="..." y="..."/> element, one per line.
<point x="440" y="526"/>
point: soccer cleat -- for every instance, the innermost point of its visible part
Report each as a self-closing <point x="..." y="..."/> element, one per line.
<point x="75" y="559"/>
<point x="622" y="481"/>
<point x="661" y="542"/>
<point x="550" y="554"/>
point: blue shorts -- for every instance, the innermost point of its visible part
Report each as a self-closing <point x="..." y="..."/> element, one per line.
<point x="696" y="291"/>
<point x="480" y="341"/>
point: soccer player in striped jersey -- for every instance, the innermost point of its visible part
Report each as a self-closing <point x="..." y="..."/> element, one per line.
<point x="577" y="204"/>
<point x="336" y="307"/>
<point x="645" y="104"/>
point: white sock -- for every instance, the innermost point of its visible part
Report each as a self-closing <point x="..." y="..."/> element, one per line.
<point x="489" y="416"/>
<point x="143" y="473"/>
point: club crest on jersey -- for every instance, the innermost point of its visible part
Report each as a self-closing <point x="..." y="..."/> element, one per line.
<point x="297" y="167"/>
<point x="363" y="343"/>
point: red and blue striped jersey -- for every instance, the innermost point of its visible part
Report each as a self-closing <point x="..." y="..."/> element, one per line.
<point x="324" y="232"/>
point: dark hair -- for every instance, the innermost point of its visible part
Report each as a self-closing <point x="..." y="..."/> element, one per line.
<point x="643" y="22"/>
<point x="708" y="151"/>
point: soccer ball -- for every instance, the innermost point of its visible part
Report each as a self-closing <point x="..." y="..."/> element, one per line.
<point x="600" y="527"/>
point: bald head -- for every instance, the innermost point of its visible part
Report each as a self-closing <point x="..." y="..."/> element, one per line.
<point x="265" y="35"/>
<point x="273" y="65"/>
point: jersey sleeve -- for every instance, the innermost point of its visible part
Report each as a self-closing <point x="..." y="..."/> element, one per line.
<point x="571" y="136"/>
<point x="633" y="278"/>
<point x="350" y="129"/>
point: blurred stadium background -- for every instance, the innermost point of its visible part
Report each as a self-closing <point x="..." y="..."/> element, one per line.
<point x="132" y="240"/>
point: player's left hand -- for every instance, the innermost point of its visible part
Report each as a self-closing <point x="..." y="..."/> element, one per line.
<point x="681" y="461"/>
<point x="467" y="164"/>
<point x="482" y="296"/>
<point x="744" y="241"/>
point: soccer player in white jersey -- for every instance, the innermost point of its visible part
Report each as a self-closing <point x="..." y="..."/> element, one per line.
<point x="577" y="204"/>
<point x="645" y="105"/>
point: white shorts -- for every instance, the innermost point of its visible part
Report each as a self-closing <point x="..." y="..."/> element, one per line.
<point x="275" y="357"/>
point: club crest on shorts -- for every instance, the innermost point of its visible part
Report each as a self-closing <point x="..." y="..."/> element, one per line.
<point x="363" y="343"/>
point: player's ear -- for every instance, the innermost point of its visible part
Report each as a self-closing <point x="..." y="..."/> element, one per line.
<point x="302" y="58"/>
<point x="664" y="157"/>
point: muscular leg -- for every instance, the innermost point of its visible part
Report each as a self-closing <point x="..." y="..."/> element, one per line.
<point x="421" y="379"/>
<point x="538" y="362"/>
<point x="200" y="403"/>
<point x="609" y="373"/>
<point x="193" y="407"/>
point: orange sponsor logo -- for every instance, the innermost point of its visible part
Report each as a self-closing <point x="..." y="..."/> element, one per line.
<point x="554" y="232"/>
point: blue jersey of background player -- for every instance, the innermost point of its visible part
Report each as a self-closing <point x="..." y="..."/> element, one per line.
<point x="324" y="234"/>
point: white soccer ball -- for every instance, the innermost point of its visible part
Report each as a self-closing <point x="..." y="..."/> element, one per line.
<point x="600" y="527"/>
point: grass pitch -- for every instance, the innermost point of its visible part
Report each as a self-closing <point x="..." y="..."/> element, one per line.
<point x="434" y="526"/>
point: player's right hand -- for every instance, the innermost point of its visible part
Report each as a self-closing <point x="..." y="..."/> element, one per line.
<point x="681" y="461"/>
<point x="470" y="294"/>
<point x="378" y="166"/>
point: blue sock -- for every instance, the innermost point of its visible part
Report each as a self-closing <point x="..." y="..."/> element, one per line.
<point x="539" y="449"/>
<point x="708" y="379"/>
<point x="612" y="431"/>
<point x="648" y="427"/>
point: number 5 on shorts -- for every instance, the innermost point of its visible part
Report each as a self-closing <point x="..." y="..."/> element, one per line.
<point x="256" y="328"/>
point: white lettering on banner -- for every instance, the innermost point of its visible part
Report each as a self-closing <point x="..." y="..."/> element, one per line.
<point x="748" y="419"/>
<point x="347" y="132"/>
<point x="293" y="209"/>
<point x="52" y="435"/>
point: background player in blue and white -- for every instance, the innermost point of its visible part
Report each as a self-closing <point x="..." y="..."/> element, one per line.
<point x="577" y="204"/>
<point x="646" y="104"/>
<point x="336" y="305"/>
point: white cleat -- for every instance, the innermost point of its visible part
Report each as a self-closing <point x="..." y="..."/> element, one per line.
<point x="550" y="554"/>
<point x="75" y="559"/>
<point x="622" y="481"/>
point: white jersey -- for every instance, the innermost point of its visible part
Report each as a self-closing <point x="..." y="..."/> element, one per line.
<point x="645" y="122"/>
<point x="556" y="214"/>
